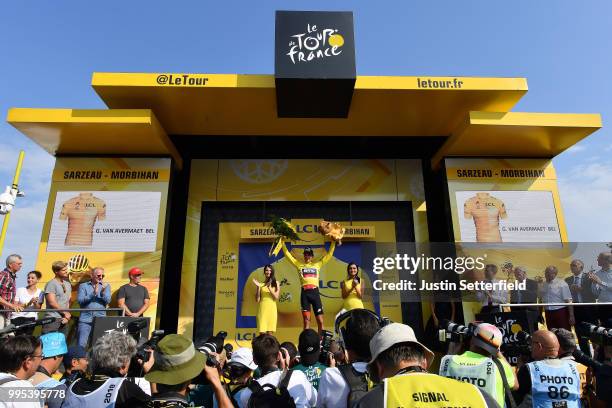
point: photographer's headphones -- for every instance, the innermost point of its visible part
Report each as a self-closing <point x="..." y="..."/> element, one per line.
<point x="341" y="321"/>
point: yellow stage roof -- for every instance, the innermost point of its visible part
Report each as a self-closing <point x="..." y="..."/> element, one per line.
<point x="246" y="104"/>
<point x="80" y="131"/>
<point x="473" y="112"/>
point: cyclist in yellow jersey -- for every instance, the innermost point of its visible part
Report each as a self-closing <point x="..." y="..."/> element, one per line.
<point x="309" y="277"/>
<point x="267" y="296"/>
<point x="351" y="288"/>
<point x="399" y="364"/>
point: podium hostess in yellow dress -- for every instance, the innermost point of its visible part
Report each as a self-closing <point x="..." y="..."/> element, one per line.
<point x="351" y="288"/>
<point x="267" y="296"/>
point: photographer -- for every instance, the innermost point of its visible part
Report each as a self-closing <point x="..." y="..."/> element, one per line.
<point x="294" y="357"/>
<point x="341" y="386"/>
<point x="267" y="355"/>
<point x="399" y="363"/>
<point x="177" y="363"/>
<point x="309" y="346"/>
<point x="601" y="367"/>
<point x="75" y="364"/>
<point x="239" y="371"/>
<point x="53" y="350"/>
<point x="548" y="380"/>
<point x="19" y="360"/>
<point x="478" y="366"/>
<point x="110" y="362"/>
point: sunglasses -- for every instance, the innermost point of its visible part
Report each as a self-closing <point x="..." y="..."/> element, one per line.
<point x="100" y="276"/>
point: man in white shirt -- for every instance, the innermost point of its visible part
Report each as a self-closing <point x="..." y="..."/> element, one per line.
<point x="334" y="389"/>
<point x="491" y="299"/>
<point x="20" y="357"/>
<point x="602" y="287"/>
<point x="555" y="290"/>
<point x="267" y="355"/>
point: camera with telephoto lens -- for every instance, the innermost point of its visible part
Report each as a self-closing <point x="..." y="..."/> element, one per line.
<point x="455" y="332"/>
<point x="602" y="372"/>
<point x="597" y="334"/>
<point x="213" y="345"/>
<point x="326" y="341"/>
<point x="517" y="346"/>
<point x="144" y="350"/>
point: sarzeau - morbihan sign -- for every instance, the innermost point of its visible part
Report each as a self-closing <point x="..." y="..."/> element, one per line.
<point x="314" y="63"/>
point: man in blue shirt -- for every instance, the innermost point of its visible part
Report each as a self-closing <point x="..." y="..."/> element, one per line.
<point x="92" y="295"/>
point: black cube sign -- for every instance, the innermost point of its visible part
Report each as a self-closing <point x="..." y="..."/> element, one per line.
<point x="314" y="63"/>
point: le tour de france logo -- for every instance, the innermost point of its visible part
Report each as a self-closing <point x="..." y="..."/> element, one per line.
<point x="315" y="43"/>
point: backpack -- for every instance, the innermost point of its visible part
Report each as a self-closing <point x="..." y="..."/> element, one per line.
<point x="357" y="382"/>
<point x="270" y="396"/>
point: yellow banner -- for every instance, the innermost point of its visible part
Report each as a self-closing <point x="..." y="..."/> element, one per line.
<point x="111" y="175"/>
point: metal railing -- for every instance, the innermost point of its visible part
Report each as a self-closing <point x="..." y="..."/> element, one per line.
<point x="511" y="305"/>
<point x="120" y="310"/>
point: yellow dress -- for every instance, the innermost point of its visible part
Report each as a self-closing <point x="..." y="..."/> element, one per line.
<point x="266" y="313"/>
<point x="352" y="301"/>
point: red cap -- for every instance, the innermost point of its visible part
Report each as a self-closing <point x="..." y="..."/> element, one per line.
<point x="135" y="271"/>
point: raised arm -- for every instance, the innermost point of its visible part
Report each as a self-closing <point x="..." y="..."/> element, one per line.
<point x="328" y="256"/>
<point x="289" y="256"/>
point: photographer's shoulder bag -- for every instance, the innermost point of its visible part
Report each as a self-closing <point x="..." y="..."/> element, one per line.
<point x="507" y="390"/>
<point x="357" y="382"/>
<point x="271" y="396"/>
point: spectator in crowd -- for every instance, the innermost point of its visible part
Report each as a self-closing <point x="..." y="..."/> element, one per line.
<point x="92" y="295"/>
<point x="53" y="350"/>
<point x="340" y="386"/>
<point x="581" y="288"/>
<point x="290" y="348"/>
<point x="75" y="364"/>
<point x="177" y="364"/>
<point x="57" y="295"/>
<point x="399" y="362"/>
<point x="309" y="346"/>
<point x="555" y="290"/>
<point x="547" y="380"/>
<point x="603" y="287"/>
<point x="19" y="360"/>
<point x="29" y="297"/>
<point x="133" y="297"/>
<point x="491" y="299"/>
<point x="8" y="288"/>
<point x="567" y="343"/>
<point x="477" y="363"/>
<point x="529" y="295"/>
<point x="109" y="364"/>
<point x="239" y="370"/>
<point x="268" y="357"/>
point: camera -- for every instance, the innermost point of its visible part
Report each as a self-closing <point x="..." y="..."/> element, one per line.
<point x="455" y="332"/>
<point x="519" y="346"/>
<point x="597" y="334"/>
<point x="326" y="341"/>
<point x="213" y="345"/>
<point x="144" y="350"/>
<point x="7" y="200"/>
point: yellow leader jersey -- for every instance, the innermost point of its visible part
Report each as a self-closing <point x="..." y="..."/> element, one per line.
<point x="486" y="211"/>
<point x="82" y="212"/>
<point x="309" y="272"/>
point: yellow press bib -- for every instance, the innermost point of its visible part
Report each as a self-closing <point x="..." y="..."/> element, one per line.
<point x="430" y="391"/>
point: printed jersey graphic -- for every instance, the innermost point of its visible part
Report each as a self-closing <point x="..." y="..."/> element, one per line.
<point x="309" y="272"/>
<point x="486" y="211"/>
<point x="82" y="212"/>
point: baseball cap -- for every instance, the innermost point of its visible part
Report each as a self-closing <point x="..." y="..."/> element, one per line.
<point x="135" y="271"/>
<point x="309" y="345"/>
<point x="53" y="344"/>
<point x="487" y="337"/>
<point x="244" y="356"/>
<point x="395" y="333"/>
<point x="72" y="353"/>
<point x="308" y="250"/>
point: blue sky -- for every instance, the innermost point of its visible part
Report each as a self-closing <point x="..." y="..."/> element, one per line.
<point x="50" y="49"/>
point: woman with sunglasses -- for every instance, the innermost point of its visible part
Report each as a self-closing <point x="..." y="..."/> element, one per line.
<point x="29" y="297"/>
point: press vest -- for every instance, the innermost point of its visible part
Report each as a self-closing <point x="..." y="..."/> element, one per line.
<point x="430" y="391"/>
<point x="554" y="383"/>
<point x="479" y="372"/>
<point x="105" y="396"/>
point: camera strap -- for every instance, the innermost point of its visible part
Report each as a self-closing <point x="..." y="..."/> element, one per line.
<point x="502" y="372"/>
